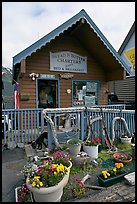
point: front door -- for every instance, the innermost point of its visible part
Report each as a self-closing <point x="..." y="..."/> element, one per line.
<point x="47" y="93"/>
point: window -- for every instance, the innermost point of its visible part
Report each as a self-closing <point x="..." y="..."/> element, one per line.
<point x="85" y="93"/>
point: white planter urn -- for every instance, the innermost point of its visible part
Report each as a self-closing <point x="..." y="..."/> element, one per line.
<point x="126" y="139"/>
<point x="50" y="194"/>
<point x="92" y="151"/>
<point x="74" y="149"/>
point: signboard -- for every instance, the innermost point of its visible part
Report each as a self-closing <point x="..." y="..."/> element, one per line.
<point x="91" y="87"/>
<point x="67" y="62"/>
<point x="130" y="54"/>
<point x="89" y="100"/>
<point x="66" y="76"/>
<point x="49" y="76"/>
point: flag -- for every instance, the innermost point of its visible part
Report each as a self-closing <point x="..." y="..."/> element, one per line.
<point x="16" y="96"/>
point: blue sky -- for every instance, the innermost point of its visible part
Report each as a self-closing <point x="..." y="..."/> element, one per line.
<point x="23" y="23"/>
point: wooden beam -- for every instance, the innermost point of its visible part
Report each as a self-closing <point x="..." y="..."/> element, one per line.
<point x="23" y="66"/>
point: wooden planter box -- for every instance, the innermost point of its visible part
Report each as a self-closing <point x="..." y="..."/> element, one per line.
<point x="111" y="181"/>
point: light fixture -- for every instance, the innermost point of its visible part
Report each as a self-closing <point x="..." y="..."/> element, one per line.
<point x="68" y="91"/>
<point x="33" y="76"/>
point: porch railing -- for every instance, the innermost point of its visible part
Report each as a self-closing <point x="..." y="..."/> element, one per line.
<point x="22" y="125"/>
<point x="25" y="125"/>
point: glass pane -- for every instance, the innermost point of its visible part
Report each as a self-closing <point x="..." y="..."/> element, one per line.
<point x="85" y="93"/>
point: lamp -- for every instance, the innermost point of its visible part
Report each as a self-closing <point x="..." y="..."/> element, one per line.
<point x="33" y="76"/>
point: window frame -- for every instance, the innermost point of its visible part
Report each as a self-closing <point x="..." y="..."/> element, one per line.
<point x="85" y="81"/>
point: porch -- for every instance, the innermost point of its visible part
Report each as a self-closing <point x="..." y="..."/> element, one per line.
<point x="25" y="125"/>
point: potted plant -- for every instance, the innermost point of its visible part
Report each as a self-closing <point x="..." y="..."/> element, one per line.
<point x="48" y="180"/>
<point x="122" y="157"/>
<point x="112" y="175"/>
<point x="22" y="194"/>
<point x="74" y="146"/>
<point x="90" y="146"/>
<point x="125" y="139"/>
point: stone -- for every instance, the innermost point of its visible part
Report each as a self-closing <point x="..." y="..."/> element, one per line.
<point x="130" y="178"/>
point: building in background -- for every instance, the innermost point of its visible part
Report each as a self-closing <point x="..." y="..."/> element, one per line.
<point x="125" y="89"/>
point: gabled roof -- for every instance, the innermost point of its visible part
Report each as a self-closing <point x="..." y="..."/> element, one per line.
<point x="127" y="38"/>
<point x="65" y="26"/>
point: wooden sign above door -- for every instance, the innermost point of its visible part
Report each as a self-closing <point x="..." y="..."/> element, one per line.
<point x="66" y="75"/>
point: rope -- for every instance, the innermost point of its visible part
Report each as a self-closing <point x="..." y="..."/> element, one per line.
<point x="53" y="128"/>
<point x="49" y="120"/>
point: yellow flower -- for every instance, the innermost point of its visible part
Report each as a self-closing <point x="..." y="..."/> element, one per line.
<point x="36" y="178"/>
<point x="108" y="174"/>
<point x="117" y="165"/>
<point x="41" y="184"/>
<point x="60" y="168"/>
<point x="114" y="169"/>
<point x="33" y="184"/>
<point x="55" y="172"/>
<point x="55" y="165"/>
<point x="104" y="172"/>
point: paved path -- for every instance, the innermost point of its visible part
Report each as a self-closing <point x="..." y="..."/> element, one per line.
<point x="120" y="192"/>
<point x="12" y="163"/>
<point x="14" y="160"/>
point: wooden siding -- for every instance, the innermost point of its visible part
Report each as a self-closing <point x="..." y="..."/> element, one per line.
<point x="124" y="89"/>
<point x="39" y="62"/>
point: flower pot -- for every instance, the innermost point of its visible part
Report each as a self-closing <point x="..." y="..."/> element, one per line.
<point x="122" y="157"/>
<point x="92" y="151"/>
<point x="74" y="149"/>
<point x="126" y="140"/>
<point x="49" y="194"/>
<point x="110" y="181"/>
<point x="68" y="173"/>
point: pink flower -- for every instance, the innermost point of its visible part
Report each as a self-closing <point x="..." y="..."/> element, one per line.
<point x="19" y="198"/>
<point x="57" y="154"/>
<point x="81" y="183"/>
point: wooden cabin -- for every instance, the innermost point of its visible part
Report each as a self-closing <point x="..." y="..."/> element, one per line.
<point x="68" y="67"/>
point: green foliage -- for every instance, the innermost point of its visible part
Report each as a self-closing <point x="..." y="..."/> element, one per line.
<point x="77" y="169"/>
<point x="122" y="146"/>
<point x="74" y="141"/>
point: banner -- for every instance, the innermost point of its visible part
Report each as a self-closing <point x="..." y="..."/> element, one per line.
<point x="16" y="96"/>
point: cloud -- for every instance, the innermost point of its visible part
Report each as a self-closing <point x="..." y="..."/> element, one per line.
<point x="23" y="23"/>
